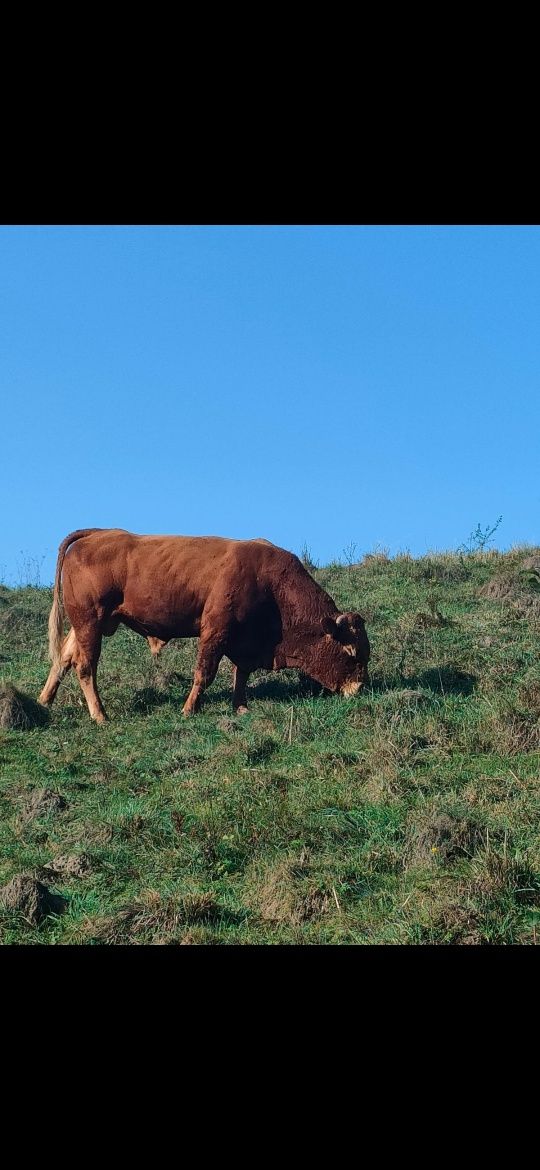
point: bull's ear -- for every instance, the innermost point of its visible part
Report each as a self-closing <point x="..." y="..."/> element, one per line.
<point x="328" y="625"/>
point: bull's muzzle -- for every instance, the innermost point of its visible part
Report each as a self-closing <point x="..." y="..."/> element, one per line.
<point x="353" y="686"/>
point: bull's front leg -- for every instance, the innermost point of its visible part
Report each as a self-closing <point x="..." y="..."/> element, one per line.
<point x="211" y="650"/>
<point x="240" y="678"/>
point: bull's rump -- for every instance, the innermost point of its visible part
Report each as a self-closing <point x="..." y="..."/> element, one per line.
<point x="162" y="585"/>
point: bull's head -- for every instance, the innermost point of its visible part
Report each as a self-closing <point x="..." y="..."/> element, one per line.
<point x="348" y="632"/>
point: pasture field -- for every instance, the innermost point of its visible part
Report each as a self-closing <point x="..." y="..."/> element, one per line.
<point x="406" y="815"/>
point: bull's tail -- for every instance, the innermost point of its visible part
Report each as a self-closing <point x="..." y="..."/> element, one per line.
<point x="56" y="616"/>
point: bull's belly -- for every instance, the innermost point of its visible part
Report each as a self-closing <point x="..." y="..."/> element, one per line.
<point x="149" y="627"/>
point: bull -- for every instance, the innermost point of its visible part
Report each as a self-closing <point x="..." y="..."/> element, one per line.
<point x="245" y="599"/>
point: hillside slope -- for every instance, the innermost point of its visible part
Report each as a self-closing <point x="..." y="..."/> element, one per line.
<point x="406" y="815"/>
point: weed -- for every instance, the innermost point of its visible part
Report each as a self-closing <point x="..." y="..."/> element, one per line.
<point x="479" y="539"/>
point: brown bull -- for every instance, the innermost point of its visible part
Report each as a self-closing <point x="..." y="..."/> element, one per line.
<point x="246" y="599"/>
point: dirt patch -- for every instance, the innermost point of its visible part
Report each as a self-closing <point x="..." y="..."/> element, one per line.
<point x="18" y="712"/>
<point x="41" y="803"/>
<point x="69" y="866"/>
<point x="26" y="896"/>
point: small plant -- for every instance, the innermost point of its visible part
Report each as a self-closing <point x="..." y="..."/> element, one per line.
<point x="479" y="539"/>
<point x="349" y="552"/>
<point x="307" y="559"/>
<point x="29" y="570"/>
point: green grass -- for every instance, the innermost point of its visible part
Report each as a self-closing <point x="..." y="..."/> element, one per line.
<point x="406" y="815"/>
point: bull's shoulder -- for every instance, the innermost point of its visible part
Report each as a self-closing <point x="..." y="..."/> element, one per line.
<point x="269" y="558"/>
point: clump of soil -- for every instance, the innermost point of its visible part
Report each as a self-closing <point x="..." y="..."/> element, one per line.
<point x="18" y="712"/>
<point x="30" y="898"/>
<point x="42" y="802"/>
<point x="69" y="866"/>
<point x="443" y="838"/>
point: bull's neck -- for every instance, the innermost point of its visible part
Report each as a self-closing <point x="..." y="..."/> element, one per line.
<point x="302" y="602"/>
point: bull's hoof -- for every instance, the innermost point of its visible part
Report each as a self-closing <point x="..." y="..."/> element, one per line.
<point x="241" y="711"/>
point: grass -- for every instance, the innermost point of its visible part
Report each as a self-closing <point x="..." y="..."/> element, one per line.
<point x="407" y="815"/>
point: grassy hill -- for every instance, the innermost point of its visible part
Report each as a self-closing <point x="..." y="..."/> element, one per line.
<point x="407" y="815"/>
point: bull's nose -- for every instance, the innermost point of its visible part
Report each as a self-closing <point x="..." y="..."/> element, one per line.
<point x="351" y="688"/>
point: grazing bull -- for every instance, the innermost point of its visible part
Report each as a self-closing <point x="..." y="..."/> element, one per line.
<point x="246" y="599"/>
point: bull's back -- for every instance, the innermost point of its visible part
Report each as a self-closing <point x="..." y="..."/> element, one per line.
<point x="163" y="583"/>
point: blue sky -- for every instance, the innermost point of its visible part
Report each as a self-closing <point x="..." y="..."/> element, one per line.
<point x="318" y="385"/>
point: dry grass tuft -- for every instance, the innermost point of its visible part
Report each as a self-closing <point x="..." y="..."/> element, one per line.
<point x="458" y="925"/>
<point x="440" y="838"/>
<point x="518" y="587"/>
<point x="495" y="874"/>
<point x="157" y="917"/>
<point x="284" y="896"/>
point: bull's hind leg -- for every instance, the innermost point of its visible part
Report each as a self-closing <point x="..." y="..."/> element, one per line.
<point x="57" y="673"/>
<point x="85" y="662"/>
<point x="208" y="659"/>
<point x="239" y="701"/>
<point x="156" y="646"/>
